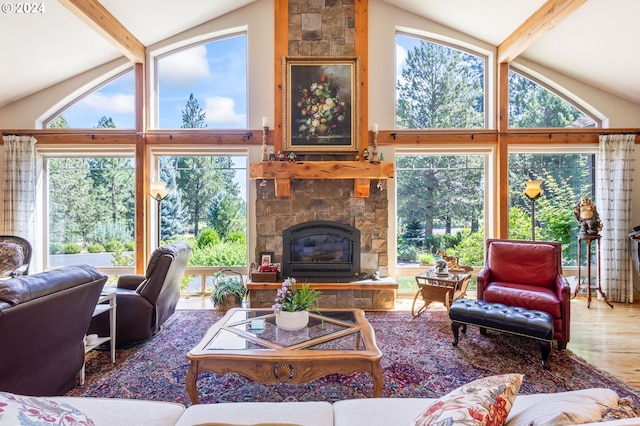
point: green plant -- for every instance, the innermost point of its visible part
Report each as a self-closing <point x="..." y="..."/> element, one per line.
<point x="56" y="248"/>
<point x="292" y="298"/>
<point x="227" y="285"/>
<point x="426" y="258"/>
<point x="113" y="245"/>
<point x="130" y="246"/>
<point x="95" y="248"/>
<point x="72" y="248"/>
<point x="208" y="237"/>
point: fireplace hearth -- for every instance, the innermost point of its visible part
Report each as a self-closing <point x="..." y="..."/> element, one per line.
<point x="322" y="250"/>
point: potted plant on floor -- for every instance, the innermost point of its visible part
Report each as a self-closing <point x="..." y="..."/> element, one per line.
<point x="228" y="291"/>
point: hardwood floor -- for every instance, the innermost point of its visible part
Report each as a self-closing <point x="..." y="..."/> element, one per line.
<point x="605" y="337"/>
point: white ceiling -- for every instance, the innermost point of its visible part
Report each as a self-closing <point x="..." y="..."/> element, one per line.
<point x="597" y="44"/>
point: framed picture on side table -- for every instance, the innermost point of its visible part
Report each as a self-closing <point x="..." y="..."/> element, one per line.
<point x="320" y="104"/>
<point x="266" y="258"/>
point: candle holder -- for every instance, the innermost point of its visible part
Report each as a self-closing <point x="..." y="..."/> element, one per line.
<point x="374" y="153"/>
<point x="265" y="136"/>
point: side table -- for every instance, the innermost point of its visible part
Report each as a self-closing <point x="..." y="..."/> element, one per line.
<point x="106" y="303"/>
<point x="440" y="288"/>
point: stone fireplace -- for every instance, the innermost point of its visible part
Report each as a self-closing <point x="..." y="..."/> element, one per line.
<point x="328" y="200"/>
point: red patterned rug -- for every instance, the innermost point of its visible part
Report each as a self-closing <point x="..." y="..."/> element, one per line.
<point x="419" y="361"/>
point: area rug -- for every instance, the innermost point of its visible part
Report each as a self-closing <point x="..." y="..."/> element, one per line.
<point x="419" y="361"/>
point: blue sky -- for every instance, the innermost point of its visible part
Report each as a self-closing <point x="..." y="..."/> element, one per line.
<point x="216" y="73"/>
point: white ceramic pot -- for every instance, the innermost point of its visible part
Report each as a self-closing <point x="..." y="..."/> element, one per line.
<point x="292" y="321"/>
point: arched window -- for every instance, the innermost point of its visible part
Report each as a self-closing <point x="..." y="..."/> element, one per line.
<point x="109" y="106"/>
<point x="204" y="85"/>
<point x="438" y="86"/>
<point x="532" y="105"/>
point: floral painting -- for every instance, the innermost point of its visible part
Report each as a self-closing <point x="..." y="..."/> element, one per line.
<point x="320" y="104"/>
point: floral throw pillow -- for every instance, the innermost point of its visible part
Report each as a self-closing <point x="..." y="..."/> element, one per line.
<point x="483" y="402"/>
<point x="31" y="410"/>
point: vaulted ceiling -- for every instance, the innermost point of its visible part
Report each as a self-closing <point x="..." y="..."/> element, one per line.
<point x="596" y="43"/>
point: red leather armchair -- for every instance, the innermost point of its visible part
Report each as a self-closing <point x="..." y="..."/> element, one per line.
<point x="527" y="274"/>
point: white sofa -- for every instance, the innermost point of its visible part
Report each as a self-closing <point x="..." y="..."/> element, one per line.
<point x="545" y="409"/>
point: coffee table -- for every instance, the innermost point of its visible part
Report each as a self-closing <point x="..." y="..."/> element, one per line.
<point x="248" y="342"/>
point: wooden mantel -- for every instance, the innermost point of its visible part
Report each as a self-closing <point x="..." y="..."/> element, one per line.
<point x="283" y="171"/>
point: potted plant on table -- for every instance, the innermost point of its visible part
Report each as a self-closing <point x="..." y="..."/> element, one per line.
<point x="293" y="303"/>
<point x="228" y="291"/>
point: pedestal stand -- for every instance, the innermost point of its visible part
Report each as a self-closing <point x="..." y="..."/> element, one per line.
<point x="588" y="239"/>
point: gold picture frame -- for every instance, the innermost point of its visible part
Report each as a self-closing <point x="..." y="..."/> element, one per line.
<point x="321" y="99"/>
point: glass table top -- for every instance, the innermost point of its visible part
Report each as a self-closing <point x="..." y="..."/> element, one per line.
<point x="251" y="329"/>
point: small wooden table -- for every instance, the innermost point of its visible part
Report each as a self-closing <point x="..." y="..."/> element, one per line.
<point x="335" y="341"/>
<point x="440" y="288"/>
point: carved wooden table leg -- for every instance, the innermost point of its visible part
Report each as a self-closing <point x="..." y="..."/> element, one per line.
<point x="191" y="382"/>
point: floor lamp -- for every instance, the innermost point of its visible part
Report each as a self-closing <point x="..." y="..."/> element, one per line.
<point x="158" y="192"/>
<point x="533" y="192"/>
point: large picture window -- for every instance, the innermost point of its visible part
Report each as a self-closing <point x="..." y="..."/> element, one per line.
<point x="440" y="207"/>
<point x="438" y="86"/>
<point x="204" y="86"/>
<point x="91" y="211"/>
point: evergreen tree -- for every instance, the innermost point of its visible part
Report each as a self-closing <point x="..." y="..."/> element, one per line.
<point x="106" y="123"/>
<point x="174" y="217"/>
<point x="59" y="123"/>
<point x="227" y="214"/>
<point x="192" y="115"/>
<point x="440" y="88"/>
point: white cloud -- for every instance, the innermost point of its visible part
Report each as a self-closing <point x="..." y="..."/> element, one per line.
<point x="116" y="103"/>
<point x="184" y="67"/>
<point x="221" y="112"/>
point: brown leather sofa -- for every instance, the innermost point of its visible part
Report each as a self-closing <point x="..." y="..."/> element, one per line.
<point x="527" y="274"/>
<point x="43" y="320"/>
<point x="144" y="302"/>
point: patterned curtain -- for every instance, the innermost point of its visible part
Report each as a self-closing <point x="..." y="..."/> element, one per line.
<point x="613" y="198"/>
<point x="20" y="186"/>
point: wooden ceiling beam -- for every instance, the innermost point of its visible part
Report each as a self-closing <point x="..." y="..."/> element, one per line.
<point x="104" y="23"/>
<point x="538" y="24"/>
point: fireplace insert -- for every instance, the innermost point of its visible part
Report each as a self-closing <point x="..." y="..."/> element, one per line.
<point x="321" y="250"/>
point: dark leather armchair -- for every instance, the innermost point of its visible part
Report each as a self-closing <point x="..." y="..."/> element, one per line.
<point x="15" y="256"/>
<point x="527" y="274"/>
<point x="144" y="302"/>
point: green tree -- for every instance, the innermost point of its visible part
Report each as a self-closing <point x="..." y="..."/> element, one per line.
<point x="72" y="210"/>
<point x="106" y="123"/>
<point x="533" y="106"/>
<point x="59" y="123"/>
<point x="192" y="115"/>
<point x="440" y="88"/>
<point x="173" y="216"/>
<point x="227" y="215"/>
<point x="114" y="188"/>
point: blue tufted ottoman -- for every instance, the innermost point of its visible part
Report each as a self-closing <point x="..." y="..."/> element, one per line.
<point x="536" y="325"/>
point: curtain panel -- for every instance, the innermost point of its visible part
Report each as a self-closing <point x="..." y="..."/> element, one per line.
<point x="20" y="186"/>
<point x="614" y="173"/>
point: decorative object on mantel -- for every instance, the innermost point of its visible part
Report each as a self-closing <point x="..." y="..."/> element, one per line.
<point x="374" y="156"/>
<point x="265" y="136"/>
<point x="293" y="304"/>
